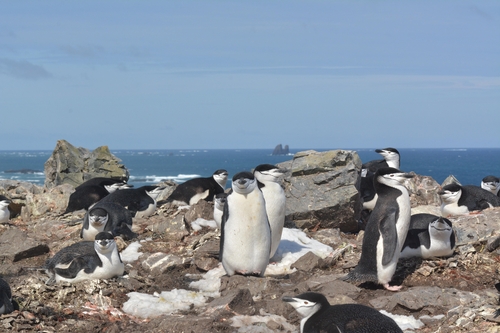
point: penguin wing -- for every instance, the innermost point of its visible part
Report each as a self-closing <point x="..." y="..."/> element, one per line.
<point x="225" y="216"/>
<point x="389" y="234"/>
<point x="77" y="264"/>
<point x="5" y="301"/>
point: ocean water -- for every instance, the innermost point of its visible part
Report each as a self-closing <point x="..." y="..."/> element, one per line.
<point x="469" y="166"/>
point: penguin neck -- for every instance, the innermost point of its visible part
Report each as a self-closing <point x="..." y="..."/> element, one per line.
<point x="109" y="257"/>
<point x="320" y="309"/>
<point x="396" y="190"/>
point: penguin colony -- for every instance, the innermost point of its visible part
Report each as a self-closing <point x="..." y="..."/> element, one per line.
<point x="251" y="217"/>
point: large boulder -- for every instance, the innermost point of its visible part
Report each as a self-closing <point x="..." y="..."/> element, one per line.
<point x="322" y="189"/>
<point x="72" y="165"/>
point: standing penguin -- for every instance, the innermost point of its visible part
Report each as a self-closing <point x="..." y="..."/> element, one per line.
<point x="6" y="304"/>
<point x="268" y="177"/>
<point x="429" y="236"/>
<point x="4" y="209"/>
<point x="219" y="202"/>
<point x="245" y="241"/>
<point x="193" y="190"/>
<point x="140" y="202"/>
<point x="86" y="260"/>
<point x="385" y="230"/>
<point x="91" y="191"/>
<point x="110" y="217"/>
<point x="391" y="159"/>
<point x="492" y="184"/>
<point x="319" y="316"/>
<point x="462" y="200"/>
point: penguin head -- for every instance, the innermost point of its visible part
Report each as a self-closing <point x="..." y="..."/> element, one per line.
<point x="244" y="182"/>
<point x="440" y="228"/>
<point x="308" y="303"/>
<point x="220" y="199"/>
<point x="4" y="202"/>
<point x="153" y="191"/>
<point x="98" y="217"/>
<point x="104" y="242"/>
<point x="117" y="186"/>
<point x="491" y="183"/>
<point x="391" y="176"/>
<point x="268" y="173"/>
<point x="220" y="176"/>
<point x="450" y="193"/>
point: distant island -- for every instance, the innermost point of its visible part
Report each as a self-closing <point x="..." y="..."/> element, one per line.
<point x="280" y="150"/>
<point x="24" y="171"/>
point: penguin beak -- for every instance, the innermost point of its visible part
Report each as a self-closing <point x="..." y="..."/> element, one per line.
<point x="408" y="175"/>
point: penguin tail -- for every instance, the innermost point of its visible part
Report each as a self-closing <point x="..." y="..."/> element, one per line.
<point x="356" y="276"/>
<point x="496" y="313"/>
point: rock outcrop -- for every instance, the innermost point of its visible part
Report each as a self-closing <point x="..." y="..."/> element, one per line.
<point x="72" y="165"/>
<point x="322" y="189"/>
<point x="279" y="150"/>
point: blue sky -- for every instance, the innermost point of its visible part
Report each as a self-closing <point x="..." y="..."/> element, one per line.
<point x="250" y="74"/>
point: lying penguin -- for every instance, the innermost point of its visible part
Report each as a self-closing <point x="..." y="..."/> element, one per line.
<point x="193" y="190"/>
<point x="4" y="209"/>
<point x="6" y="304"/>
<point x="110" y="217"/>
<point x="429" y="236"/>
<point x="462" y="200"/>
<point x="492" y="184"/>
<point x="319" y="316"/>
<point x="91" y="191"/>
<point x="86" y="260"/>
<point x="140" y="202"/>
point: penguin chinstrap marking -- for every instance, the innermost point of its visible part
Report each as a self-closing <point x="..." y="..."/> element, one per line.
<point x="319" y="316"/>
<point x="86" y="260"/>
<point x="196" y="189"/>
<point x="245" y="241"/>
<point x="268" y="177"/>
<point x="6" y="304"/>
<point x="391" y="159"/>
<point x="140" y="202"/>
<point x="385" y="231"/>
<point x="429" y="236"/>
<point x="462" y="200"/>
<point x="110" y="217"/>
<point x="492" y="184"/>
<point x="92" y="191"/>
<point x="219" y="202"/>
<point x="4" y="209"/>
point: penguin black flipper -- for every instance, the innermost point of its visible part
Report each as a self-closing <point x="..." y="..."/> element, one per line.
<point x="225" y="216"/>
<point x="6" y="304"/>
<point x="387" y="228"/>
<point x="124" y="231"/>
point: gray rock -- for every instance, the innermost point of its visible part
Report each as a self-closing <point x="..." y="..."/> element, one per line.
<point x="73" y="166"/>
<point x="239" y="301"/>
<point x="159" y="263"/>
<point x="321" y="189"/>
<point x="16" y="245"/>
<point x="307" y="262"/>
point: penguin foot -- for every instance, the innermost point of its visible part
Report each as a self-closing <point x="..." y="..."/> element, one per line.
<point x="392" y="288"/>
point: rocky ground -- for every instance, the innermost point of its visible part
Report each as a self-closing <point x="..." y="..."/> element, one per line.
<point x="447" y="295"/>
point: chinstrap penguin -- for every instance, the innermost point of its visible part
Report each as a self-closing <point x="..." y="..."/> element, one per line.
<point x="193" y="190"/>
<point x="462" y="200"/>
<point x="268" y="177"/>
<point x="91" y="191"/>
<point x="4" y="209"/>
<point x="319" y="316"/>
<point x="367" y="191"/>
<point x="492" y="184"/>
<point x="245" y="241"/>
<point x="429" y="236"/>
<point x="141" y="201"/>
<point x="86" y="260"/>
<point x="385" y="230"/>
<point x="219" y="202"/>
<point x="110" y="217"/>
<point x="6" y="304"/>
